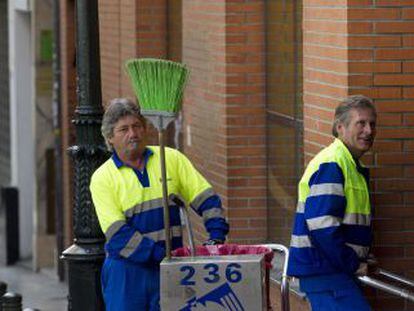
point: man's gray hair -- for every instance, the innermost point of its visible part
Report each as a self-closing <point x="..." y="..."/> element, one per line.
<point x="117" y="109"/>
<point x="342" y="112"/>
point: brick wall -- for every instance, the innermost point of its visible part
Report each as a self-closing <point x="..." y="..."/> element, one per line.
<point x="151" y="31"/>
<point x="389" y="47"/>
<point x="223" y="43"/>
<point x="366" y="47"/>
<point x="117" y="20"/>
<point x="246" y="120"/>
<point x="129" y="29"/>
<point x="110" y="45"/>
<point x="204" y="103"/>
<point x="325" y="70"/>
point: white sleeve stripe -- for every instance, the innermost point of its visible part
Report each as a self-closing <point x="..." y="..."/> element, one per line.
<point x="326" y="189"/>
<point x="323" y="222"/>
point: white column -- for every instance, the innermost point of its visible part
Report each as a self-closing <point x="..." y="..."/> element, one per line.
<point x="22" y="116"/>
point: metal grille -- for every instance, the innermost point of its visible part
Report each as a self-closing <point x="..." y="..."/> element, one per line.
<point x="4" y="97"/>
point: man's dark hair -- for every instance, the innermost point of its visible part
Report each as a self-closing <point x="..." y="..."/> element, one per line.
<point x="342" y="111"/>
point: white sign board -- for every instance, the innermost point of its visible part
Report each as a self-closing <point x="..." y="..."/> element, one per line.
<point x="235" y="283"/>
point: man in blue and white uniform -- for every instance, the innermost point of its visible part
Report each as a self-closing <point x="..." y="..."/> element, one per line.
<point x="332" y="230"/>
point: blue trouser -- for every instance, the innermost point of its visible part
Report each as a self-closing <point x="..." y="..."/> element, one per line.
<point x="338" y="300"/>
<point x="334" y="292"/>
<point x="130" y="287"/>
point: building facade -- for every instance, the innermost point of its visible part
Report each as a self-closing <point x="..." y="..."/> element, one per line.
<point x="265" y="78"/>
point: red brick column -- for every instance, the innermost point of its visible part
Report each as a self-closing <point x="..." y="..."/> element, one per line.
<point x="325" y="70"/>
<point x="224" y="111"/>
<point x="366" y="47"/>
<point x="129" y="29"/>
<point x="110" y="43"/>
<point x="118" y="31"/>
<point x="151" y="31"/>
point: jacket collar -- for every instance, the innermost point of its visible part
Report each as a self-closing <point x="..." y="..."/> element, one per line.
<point x="119" y="163"/>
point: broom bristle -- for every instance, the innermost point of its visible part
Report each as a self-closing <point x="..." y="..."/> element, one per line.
<point x="158" y="84"/>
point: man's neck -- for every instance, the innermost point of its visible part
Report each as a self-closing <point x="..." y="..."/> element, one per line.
<point x="134" y="160"/>
<point x="354" y="153"/>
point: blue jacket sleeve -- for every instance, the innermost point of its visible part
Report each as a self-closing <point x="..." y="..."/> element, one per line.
<point x="131" y="245"/>
<point x="324" y="211"/>
<point x="212" y="213"/>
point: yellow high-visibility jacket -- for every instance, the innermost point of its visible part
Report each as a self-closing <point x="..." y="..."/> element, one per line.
<point x="332" y="228"/>
<point x="128" y="204"/>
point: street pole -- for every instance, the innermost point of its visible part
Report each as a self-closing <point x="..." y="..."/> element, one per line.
<point x="86" y="255"/>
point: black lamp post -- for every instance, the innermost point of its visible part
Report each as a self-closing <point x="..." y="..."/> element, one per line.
<point x="86" y="255"/>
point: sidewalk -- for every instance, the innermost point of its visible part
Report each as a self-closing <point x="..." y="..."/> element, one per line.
<point x="40" y="290"/>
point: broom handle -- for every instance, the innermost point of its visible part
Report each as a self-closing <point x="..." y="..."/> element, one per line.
<point x="165" y="195"/>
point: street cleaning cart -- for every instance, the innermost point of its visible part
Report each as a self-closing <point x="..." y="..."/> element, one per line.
<point x="220" y="277"/>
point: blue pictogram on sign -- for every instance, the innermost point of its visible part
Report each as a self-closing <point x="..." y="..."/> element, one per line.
<point x="222" y="295"/>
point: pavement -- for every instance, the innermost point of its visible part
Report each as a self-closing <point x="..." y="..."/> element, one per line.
<point x="41" y="290"/>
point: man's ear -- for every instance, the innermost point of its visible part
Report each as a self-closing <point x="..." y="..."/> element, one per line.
<point x="110" y="141"/>
<point x="339" y="128"/>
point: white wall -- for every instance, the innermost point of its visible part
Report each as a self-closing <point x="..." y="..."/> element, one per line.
<point x="22" y="122"/>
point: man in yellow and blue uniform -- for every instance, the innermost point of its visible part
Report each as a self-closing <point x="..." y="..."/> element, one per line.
<point x="127" y="195"/>
<point x="332" y="230"/>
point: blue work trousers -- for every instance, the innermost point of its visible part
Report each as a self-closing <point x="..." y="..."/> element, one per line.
<point x="338" y="300"/>
<point x="130" y="287"/>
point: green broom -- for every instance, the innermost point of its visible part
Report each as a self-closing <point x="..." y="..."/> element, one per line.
<point x="159" y="85"/>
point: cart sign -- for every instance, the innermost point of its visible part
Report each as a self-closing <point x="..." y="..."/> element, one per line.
<point x="234" y="283"/>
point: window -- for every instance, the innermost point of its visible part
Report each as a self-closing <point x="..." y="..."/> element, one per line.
<point x="284" y="114"/>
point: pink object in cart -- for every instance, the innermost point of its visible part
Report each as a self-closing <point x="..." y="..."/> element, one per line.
<point x="227" y="249"/>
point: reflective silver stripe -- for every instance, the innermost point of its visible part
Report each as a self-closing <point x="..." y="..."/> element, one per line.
<point x="357" y="219"/>
<point x="362" y="251"/>
<point x="300" y="207"/>
<point x="212" y="213"/>
<point x="114" y="229"/>
<point x="326" y="189"/>
<point x="323" y="222"/>
<point x="300" y="241"/>
<point x="176" y="232"/>
<point x="131" y="245"/>
<point x="201" y="198"/>
<point x="144" y="206"/>
<point x="150" y="204"/>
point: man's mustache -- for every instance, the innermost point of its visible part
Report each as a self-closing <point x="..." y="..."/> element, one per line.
<point x="133" y="141"/>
